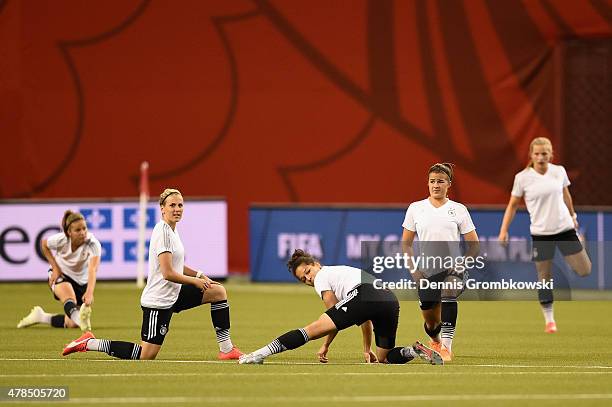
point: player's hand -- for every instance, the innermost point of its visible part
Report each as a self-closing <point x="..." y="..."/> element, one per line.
<point x="503" y="238"/>
<point x="201" y="284"/>
<point x="210" y="281"/>
<point x="370" y="357"/>
<point x="53" y="276"/>
<point x="322" y="353"/>
<point x="88" y="298"/>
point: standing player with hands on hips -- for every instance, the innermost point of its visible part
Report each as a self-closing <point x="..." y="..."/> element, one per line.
<point x="439" y="223"/>
<point x="72" y="275"/>
<point x="171" y="287"/>
<point x="544" y="186"/>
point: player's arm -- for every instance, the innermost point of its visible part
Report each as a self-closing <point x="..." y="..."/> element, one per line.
<point x="92" y="273"/>
<point x="188" y="271"/>
<point x="508" y="218"/>
<point x="165" y="263"/>
<point x="366" y="333"/>
<point x="407" y="242"/>
<point x="473" y="245"/>
<point x="55" y="269"/>
<point x="567" y="198"/>
<point x="329" y="299"/>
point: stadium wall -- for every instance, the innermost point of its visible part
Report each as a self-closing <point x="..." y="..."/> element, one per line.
<point x="334" y="235"/>
<point x="299" y="101"/>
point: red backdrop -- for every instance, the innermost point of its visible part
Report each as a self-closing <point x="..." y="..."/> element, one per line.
<point x="279" y="101"/>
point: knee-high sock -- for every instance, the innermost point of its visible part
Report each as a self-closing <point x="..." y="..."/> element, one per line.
<point x="219" y="314"/>
<point x="72" y="310"/>
<point x="433" y="333"/>
<point x="57" y="321"/>
<point x="546" y="298"/>
<point x="449" y="322"/>
<point x="400" y="355"/>
<point x="287" y="341"/>
<point x="118" y="349"/>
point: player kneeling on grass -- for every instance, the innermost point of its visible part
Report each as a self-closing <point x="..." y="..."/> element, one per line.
<point x="350" y="302"/>
<point x="72" y="274"/>
<point x="171" y="287"/>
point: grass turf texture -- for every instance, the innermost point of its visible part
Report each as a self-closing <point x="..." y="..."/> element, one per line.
<point x="502" y="354"/>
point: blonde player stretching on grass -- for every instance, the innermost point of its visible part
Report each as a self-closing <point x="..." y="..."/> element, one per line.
<point x="544" y="186"/>
<point x="171" y="287"/>
<point x="350" y="301"/>
<point x="72" y="275"/>
<point x="439" y="223"/>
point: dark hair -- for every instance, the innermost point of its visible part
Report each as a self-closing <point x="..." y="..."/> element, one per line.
<point x="69" y="218"/>
<point x="443" y="168"/>
<point x="298" y="257"/>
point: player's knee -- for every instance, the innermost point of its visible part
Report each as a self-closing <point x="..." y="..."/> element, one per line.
<point x="584" y="269"/>
<point x="217" y="293"/>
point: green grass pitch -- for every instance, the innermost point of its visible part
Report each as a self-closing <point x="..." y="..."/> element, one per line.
<point x="503" y="357"/>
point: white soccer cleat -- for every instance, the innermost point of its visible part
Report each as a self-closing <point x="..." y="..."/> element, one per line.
<point x="427" y="354"/>
<point x="85" y="318"/>
<point x="34" y="317"/>
<point x="251" y="359"/>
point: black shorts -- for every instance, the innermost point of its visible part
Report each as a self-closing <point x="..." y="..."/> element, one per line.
<point x="544" y="245"/>
<point x="156" y="322"/>
<point x="366" y="303"/>
<point x="79" y="290"/>
<point x="429" y="297"/>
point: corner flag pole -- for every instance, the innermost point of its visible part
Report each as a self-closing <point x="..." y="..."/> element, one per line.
<point x="142" y="222"/>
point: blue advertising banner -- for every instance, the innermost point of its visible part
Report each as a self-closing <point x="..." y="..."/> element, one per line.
<point x="335" y="235"/>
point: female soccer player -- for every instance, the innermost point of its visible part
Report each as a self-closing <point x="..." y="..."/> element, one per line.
<point x="544" y="186"/>
<point x="72" y="275"/>
<point x="437" y="221"/>
<point x="171" y="287"/>
<point x="350" y="301"/>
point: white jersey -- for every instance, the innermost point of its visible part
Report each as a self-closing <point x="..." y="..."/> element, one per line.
<point x="74" y="263"/>
<point x="159" y="292"/>
<point x="339" y="279"/>
<point x="444" y="224"/>
<point x="543" y="195"/>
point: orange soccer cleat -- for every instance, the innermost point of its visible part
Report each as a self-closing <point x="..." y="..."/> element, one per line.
<point x="78" y="345"/>
<point x="233" y="354"/>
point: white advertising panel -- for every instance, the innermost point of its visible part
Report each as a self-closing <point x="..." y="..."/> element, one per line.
<point x="203" y="231"/>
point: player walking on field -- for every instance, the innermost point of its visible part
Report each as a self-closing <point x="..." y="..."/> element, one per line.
<point x="439" y="223"/>
<point x="171" y="287"/>
<point x="72" y="275"/>
<point x="350" y="301"/>
<point x="544" y="186"/>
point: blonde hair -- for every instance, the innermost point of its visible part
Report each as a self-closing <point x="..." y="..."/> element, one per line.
<point x="69" y="218"/>
<point x="539" y="141"/>
<point x="167" y="192"/>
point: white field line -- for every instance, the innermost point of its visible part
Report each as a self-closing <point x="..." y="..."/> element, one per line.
<point x="218" y="362"/>
<point x="275" y="374"/>
<point x="337" y="399"/>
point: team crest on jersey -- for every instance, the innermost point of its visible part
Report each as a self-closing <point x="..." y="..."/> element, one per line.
<point x="163" y="330"/>
<point x="451" y="212"/>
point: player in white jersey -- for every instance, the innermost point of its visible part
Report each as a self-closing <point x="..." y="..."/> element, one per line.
<point x="439" y="223"/>
<point x="351" y="300"/>
<point x="172" y="287"/>
<point x="74" y="257"/>
<point x="544" y="186"/>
